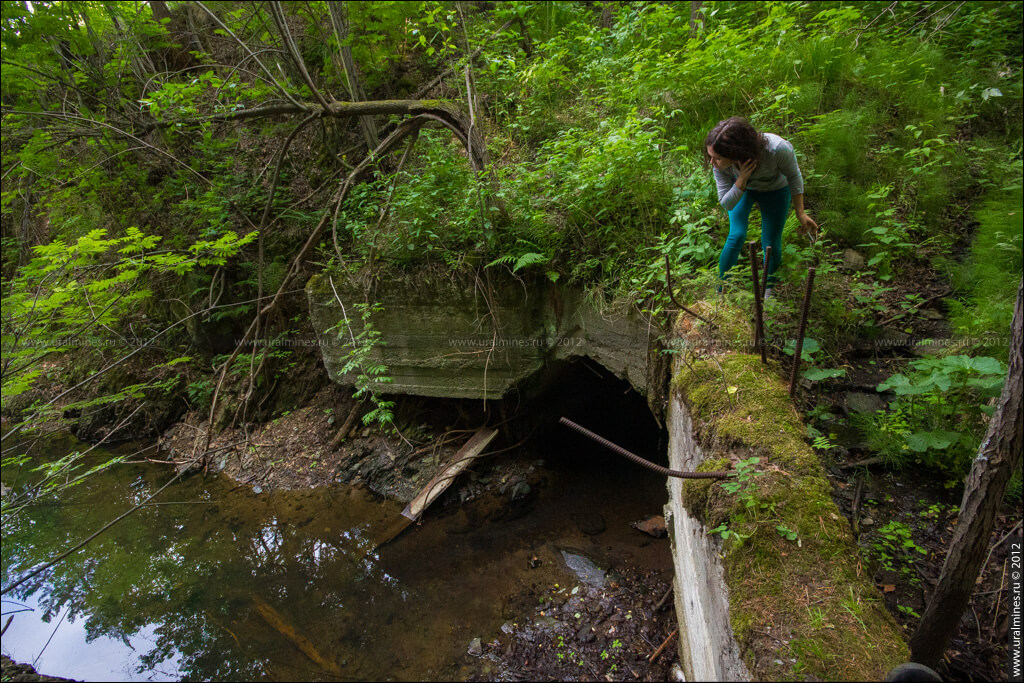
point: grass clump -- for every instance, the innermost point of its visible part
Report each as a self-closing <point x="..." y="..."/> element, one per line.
<point x="990" y="275"/>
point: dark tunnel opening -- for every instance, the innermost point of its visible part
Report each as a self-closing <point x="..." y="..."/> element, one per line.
<point x="591" y="396"/>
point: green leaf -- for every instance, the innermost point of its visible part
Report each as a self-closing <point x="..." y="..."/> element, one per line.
<point x="922" y="441"/>
<point x="810" y="347"/>
<point x="818" y="374"/>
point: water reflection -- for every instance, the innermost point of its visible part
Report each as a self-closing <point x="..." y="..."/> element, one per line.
<point x="217" y="582"/>
<point x="183" y="588"/>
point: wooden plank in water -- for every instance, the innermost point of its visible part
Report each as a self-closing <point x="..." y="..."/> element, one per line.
<point x="474" y="447"/>
<point x="275" y="620"/>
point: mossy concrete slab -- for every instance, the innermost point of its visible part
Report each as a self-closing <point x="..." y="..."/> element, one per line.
<point x="800" y="609"/>
<point x="464" y="337"/>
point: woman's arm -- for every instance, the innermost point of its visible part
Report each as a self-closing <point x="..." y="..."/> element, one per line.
<point x="791" y="169"/>
<point x="729" y="191"/>
<point x="728" y="194"/>
<point x="807" y="224"/>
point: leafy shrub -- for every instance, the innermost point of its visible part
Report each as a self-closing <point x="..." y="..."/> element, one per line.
<point x="990" y="276"/>
<point x="938" y="416"/>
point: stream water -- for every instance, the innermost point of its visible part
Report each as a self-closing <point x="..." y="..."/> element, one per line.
<point x="216" y="581"/>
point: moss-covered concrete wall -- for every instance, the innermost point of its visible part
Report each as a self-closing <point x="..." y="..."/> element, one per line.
<point x="803" y="607"/>
<point x="466" y="337"/>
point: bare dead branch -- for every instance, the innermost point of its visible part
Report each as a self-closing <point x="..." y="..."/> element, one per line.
<point x="245" y="47"/>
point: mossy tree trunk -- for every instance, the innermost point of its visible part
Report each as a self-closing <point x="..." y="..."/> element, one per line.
<point x="998" y="457"/>
<point x="347" y="65"/>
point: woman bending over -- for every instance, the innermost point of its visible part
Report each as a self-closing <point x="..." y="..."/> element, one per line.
<point x="755" y="167"/>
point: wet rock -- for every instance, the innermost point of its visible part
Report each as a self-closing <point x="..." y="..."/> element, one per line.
<point x="520" y="490"/>
<point x="476" y="647"/>
<point x="652" y="526"/>
<point x="586" y="634"/>
<point x="585" y="568"/>
<point x="867" y="521"/>
<point x="591" y="524"/>
<point x="853" y="260"/>
<point x="932" y="314"/>
<point x="862" y="402"/>
<point x="546" y="622"/>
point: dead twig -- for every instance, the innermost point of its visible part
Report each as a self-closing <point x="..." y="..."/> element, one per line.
<point x="346" y="427"/>
<point x="855" y="510"/>
<point x="664" y="599"/>
<point x="661" y="648"/>
<point x="668" y="281"/>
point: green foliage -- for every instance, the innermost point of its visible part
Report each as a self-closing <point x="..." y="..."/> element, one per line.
<point x="71" y="292"/>
<point x="49" y="479"/>
<point x="990" y="276"/>
<point x="938" y="416"/>
<point x="894" y="549"/>
<point x="363" y="358"/>
<point x="742" y="484"/>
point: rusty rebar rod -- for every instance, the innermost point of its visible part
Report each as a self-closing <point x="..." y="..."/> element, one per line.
<point x="795" y="374"/>
<point x="668" y="283"/>
<point x="641" y="461"/>
<point x="758" y="314"/>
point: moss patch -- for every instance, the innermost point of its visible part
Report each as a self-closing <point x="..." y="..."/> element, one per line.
<point x="801" y="608"/>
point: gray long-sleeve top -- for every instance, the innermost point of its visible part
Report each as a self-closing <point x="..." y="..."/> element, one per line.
<point x="776" y="168"/>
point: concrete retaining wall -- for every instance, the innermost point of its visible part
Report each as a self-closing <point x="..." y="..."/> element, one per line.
<point x="460" y="338"/>
<point x="707" y="649"/>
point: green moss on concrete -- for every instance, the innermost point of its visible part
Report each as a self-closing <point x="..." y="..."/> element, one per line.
<point x="729" y="328"/>
<point x="698" y="492"/>
<point x="805" y="603"/>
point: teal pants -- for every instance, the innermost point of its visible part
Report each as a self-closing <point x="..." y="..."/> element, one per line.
<point x="774" y="205"/>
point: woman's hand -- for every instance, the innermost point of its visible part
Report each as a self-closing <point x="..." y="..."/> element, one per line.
<point x="746" y="169"/>
<point x="807" y="225"/>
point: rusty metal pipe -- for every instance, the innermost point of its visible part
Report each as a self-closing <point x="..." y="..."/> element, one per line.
<point x="758" y="314"/>
<point x="795" y="374"/>
<point x="641" y="461"/>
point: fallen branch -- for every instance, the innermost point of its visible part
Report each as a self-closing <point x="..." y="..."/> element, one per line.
<point x="862" y="463"/>
<point x="277" y="622"/>
<point x="920" y="304"/>
<point x="664" y="599"/>
<point x="346" y="427"/>
<point x="661" y="648"/>
<point x="855" y="510"/>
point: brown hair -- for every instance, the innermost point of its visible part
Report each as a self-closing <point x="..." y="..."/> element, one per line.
<point x="734" y="139"/>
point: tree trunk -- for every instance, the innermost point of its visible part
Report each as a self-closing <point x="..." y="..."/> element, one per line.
<point x="695" y="17"/>
<point x="160" y="11"/>
<point x="339" y="21"/>
<point x="997" y="458"/>
<point x="24" y="249"/>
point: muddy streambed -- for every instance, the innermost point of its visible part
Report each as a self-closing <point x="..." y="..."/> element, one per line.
<point x="218" y="581"/>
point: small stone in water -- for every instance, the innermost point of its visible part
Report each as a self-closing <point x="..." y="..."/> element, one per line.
<point x="476" y="648"/>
